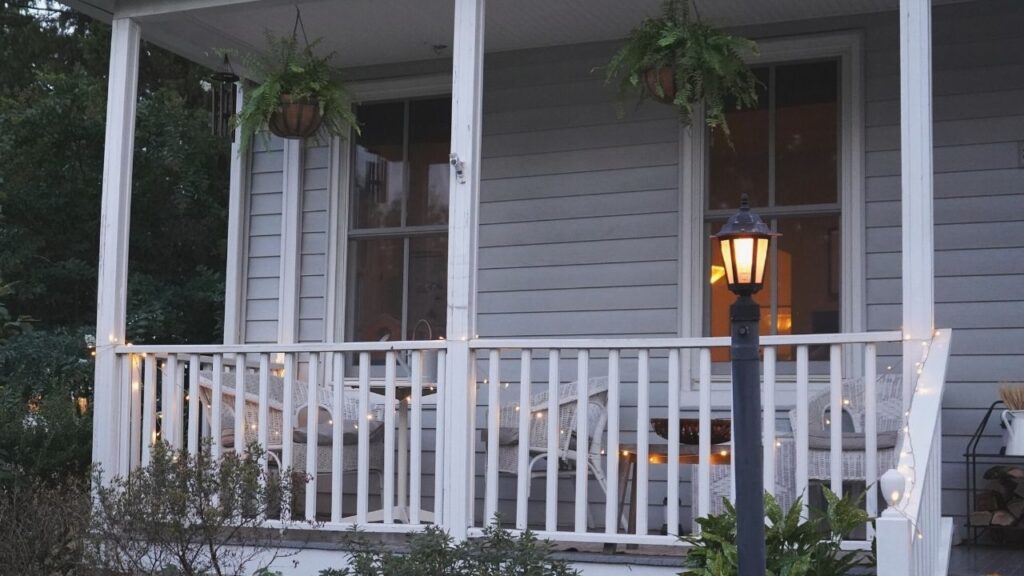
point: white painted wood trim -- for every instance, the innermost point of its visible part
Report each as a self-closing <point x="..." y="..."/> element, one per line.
<point x="401" y="87"/>
<point x="917" y="183"/>
<point x="463" y="209"/>
<point x="337" y="234"/>
<point x="235" y="270"/>
<point x="291" y="244"/>
<point x="110" y="420"/>
<point x="848" y="48"/>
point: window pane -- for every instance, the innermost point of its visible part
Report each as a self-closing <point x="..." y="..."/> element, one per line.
<point x="742" y="167"/>
<point x="809" y="275"/>
<point x="377" y="298"/>
<point x="429" y="136"/>
<point x="807" y="133"/>
<point x="378" y="166"/>
<point x="428" y="287"/>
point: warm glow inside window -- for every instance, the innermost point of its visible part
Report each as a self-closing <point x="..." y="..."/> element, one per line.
<point x="785" y="155"/>
<point x="398" y="237"/>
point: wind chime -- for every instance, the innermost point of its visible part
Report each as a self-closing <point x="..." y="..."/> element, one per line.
<point x="222" y="100"/>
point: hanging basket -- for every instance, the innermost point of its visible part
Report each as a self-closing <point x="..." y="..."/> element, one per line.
<point x="660" y="81"/>
<point x="296" y="119"/>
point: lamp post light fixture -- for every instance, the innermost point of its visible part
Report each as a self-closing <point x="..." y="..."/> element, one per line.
<point x="744" y="241"/>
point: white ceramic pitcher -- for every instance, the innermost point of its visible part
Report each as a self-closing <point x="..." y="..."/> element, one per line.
<point x="1014" y="422"/>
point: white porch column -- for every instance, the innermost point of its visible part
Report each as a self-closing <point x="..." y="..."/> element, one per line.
<point x="236" y="234"/>
<point x="463" y="207"/>
<point x="110" y="407"/>
<point x="916" y="171"/>
<point x="291" y="243"/>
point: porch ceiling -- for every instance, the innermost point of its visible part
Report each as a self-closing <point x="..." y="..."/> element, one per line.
<point x="369" y="32"/>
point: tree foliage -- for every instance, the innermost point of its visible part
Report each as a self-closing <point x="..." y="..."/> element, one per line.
<point x="53" y="86"/>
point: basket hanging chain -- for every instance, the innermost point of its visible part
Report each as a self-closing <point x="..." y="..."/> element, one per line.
<point x="299" y="24"/>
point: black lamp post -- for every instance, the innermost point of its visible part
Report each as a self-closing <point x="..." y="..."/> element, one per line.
<point x="744" y="242"/>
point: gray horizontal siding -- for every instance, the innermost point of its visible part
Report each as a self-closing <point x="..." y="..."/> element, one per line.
<point x="263" y="250"/>
<point x="313" y="249"/>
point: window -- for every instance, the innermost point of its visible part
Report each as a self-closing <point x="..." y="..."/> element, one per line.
<point x="398" y="240"/>
<point x="785" y="154"/>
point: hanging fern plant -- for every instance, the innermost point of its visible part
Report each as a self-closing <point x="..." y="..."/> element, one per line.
<point x="298" y="95"/>
<point x="682" y="61"/>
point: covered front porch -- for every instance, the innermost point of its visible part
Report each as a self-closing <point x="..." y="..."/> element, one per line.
<point x="533" y="393"/>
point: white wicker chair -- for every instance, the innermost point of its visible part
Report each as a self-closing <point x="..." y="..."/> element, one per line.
<point x="299" y="402"/>
<point x="889" y="416"/>
<point x="597" y="418"/>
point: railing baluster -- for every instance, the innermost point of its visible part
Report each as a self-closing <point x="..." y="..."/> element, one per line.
<point x="439" y="431"/>
<point x="363" y="474"/>
<point x="312" y="433"/>
<point x="836" y="416"/>
<point x="642" y="450"/>
<point x="338" y="436"/>
<point x="217" y="407"/>
<point x="240" y="371"/>
<point x="672" y="492"/>
<point x="263" y="420"/>
<point x="125" y="442"/>
<point x="704" y="436"/>
<point x="871" y="433"/>
<point x="149" y="409"/>
<point x="471" y="406"/>
<point x="170" y="403"/>
<point x="522" y="469"/>
<point x="493" y="419"/>
<point x="551" y="493"/>
<point x="193" y="404"/>
<point x="389" y="438"/>
<point x="802" y="425"/>
<point x="136" y="443"/>
<point x="179" y="406"/>
<point x="287" y="426"/>
<point x="416" y="440"/>
<point x="768" y="419"/>
<point x="582" y="438"/>
<point x="611" y="505"/>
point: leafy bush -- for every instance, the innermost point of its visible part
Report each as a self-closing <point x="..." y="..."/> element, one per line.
<point x="188" y="514"/>
<point x="43" y="527"/>
<point x="708" y="65"/>
<point x="433" y="553"/>
<point x="793" y="547"/>
<point x="43" y="435"/>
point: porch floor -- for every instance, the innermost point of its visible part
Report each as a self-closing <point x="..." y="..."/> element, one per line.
<point x="985" y="561"/>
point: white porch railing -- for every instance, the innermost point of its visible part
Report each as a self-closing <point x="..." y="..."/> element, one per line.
<point x="913" y="537"/>
<point x="371" y="424"/>
<point x="607" y="482"/>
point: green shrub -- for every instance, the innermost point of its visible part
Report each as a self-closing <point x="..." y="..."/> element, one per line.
<point x="793" y="547"/>
<point x="43" y="527"/>
<point x="434" y="553"/>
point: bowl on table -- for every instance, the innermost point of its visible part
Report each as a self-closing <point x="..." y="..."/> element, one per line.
<point x="689" y="430"/>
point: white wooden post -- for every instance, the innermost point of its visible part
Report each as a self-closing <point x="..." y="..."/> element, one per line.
<point x="110" y="418"/>
<point x="291" y="232"/>
<point x="463" y="206"/>
<point x="894" y="536"/>
<point x="917" y="183"/>
<point x="233" y="332"/>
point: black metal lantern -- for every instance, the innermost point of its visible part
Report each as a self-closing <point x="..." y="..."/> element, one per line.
<point x="744" y="241"/>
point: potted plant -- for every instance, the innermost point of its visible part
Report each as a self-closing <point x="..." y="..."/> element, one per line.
<point x="678" y="60"/>
<point x="298" y="93"/>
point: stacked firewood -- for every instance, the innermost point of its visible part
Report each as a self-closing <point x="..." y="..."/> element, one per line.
<point x="1001" y="502"/>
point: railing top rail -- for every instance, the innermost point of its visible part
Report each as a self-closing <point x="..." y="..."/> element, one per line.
<point x="923" y="421"/>
<point x="670" y="343"/>
<point x="513" y="343"/>
<point x="209" y="349"/>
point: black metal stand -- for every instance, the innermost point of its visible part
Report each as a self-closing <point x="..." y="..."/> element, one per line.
<point x="971" y="455"/>
<point x="746" y="436"/>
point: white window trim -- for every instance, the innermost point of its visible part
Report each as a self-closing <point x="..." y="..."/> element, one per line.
<point x="363" y="92"/>
<point x="848" y="48"/>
